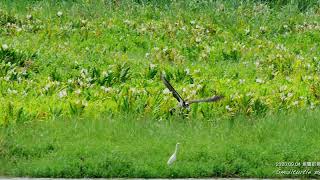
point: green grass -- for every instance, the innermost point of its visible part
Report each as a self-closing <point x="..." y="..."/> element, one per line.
<point x="100" y="57"/>
<point x="70" y="70"/>
<point x="129" y="146"/>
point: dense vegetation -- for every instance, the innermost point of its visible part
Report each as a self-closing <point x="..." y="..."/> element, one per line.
<point x="97" y="62"/>
<point x="128" y="146"/>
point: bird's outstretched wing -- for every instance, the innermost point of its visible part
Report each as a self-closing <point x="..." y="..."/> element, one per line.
<point x="213" y="99"/>
<point x="173" y="91"/>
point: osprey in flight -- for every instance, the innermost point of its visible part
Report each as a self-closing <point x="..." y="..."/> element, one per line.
<point x="183" y="103"/>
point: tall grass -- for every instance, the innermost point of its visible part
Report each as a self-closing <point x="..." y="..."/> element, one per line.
<point x="129" y="146"/>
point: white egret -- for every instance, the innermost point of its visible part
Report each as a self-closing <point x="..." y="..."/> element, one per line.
<point x="174" y="155"/>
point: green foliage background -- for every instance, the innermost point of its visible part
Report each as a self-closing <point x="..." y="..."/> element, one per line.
<point x="101" y="60"/>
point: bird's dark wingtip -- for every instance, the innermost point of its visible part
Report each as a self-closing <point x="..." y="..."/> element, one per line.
<point x="219" y="97"/>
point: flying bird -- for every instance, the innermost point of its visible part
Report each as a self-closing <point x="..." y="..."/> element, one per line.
<point x="173" y="157"/>
<point x="182" y="102"/>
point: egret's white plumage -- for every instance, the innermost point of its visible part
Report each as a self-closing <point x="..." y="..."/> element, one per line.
<point x="173" y="157"/>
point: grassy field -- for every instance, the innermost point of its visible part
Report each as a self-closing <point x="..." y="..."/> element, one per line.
<point x="129" y="146"/>
<point x="82" y="79"/>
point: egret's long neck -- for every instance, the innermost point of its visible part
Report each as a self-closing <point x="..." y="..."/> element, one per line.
<point x="176" y="150"/>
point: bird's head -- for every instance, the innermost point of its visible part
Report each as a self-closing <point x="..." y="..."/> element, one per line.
<point x="186" y="105"/>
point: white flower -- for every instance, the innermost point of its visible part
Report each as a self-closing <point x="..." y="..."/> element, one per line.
<point x="235" y="96"/>
<point x="197" y="71"/>
<point x="7" y="78"/>
<point x="260" y="81"/>
<point x="84" y="72"/>
<point x="105" y="74"/>
<point x="300" y="57"/>
<point x="12" y="91"/>
<point x="263" y="29"/>
<point x="89" y="79"/>
<point x="29" y="16"/>
<point x="143" y="29"/>
<point x="312" y="106"/>
<point x="81" y="83"/>
<point x="106" y="89"/>
<point x="46" y="88"/>
<point x="307" y="78"/>
<point x="207" y="49"/>
<point x="78" y="91"/>
<point x="288" y="78"/>
<point x="250" y="94"/>
<point x="247" y="31"/>
<point x="308" y="65"/>
<point x="24" y="93"/>
<point x="165" y="49"/>
<point x="133" y="90"/>
<point x="283" y="88"/>
<point x="184" y="89"/>
<point x="295" y="103"/>
<point x="91" y="85"/>
<point x="59" y="13"/>
<point x="192" y="22"/>
<point x="57" y="83"/>
<point x="282" y="96"/>
<point x="63" y="93"/>
<point x="84" y="103"/>
<point x="228" y="108"/>
<point x="290" y="95"/>
<point x="166" y="91"/>
<point x="5" y="46"/>
<point x="83" y="21"/>
<point x="198" y="40"/>
<point x="143" y="91"/>
<point x="245" y="63"/>
<point x="203" y="55"/>
<point x="152" y="66"/>
<point x="187" y="71"/>
<point x="147" y="55"/>
<point x="241" y="81"/>
<point x="24" y="72"/>
<point x="126" y="21"/>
